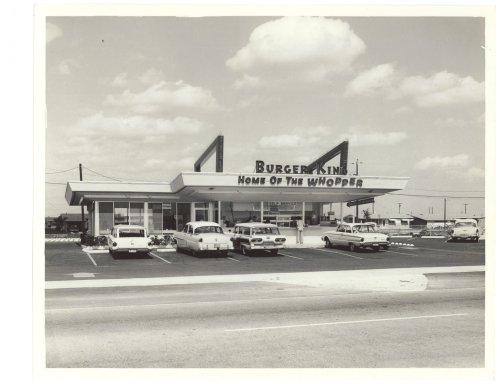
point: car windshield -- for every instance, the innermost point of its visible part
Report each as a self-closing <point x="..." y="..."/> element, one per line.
<point x="465" y="224"/>
<point x="265" y="231"/>
<point x="363" y="228"/>
<point x="131" y="232"/>
<point x="208" y="229"/>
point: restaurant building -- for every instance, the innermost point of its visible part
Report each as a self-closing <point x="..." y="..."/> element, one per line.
<point x="281" y="194"/>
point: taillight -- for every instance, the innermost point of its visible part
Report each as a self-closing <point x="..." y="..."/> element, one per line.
<point x="256" y="240"/>
<point x="114" y="244"/>
<point x="150" y="243"/>
<point x="362" y="239"/>
<point x="201" y="240"/>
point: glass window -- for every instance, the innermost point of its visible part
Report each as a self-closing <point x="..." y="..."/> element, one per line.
<point x="131" y="232"/>
<point x="137" y="213"/>
<point x="246" y="231"/>
<point x="169" y="216"/>
<point x="155" y="218"/>
<point x="265" y="231"/>
<point x="121" y="213"/>
<point x="208" y="229"/>
<point x="105" y="218"/>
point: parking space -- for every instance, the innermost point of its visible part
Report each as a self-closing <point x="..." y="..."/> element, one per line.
<point x="67" y="260"/>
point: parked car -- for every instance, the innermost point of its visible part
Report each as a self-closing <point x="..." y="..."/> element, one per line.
<point x="356" y="236"/>
<point x="249" y="237"/>
<point x="129" y="239"/>
<point x="203" y="236"/>
<point x="422" y="232"/>
<point x="464" y="229"/>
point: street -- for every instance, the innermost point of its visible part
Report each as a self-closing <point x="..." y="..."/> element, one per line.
<point x="412" y="306"/>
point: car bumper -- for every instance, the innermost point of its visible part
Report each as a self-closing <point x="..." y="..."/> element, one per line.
<point x="372" y="244"/>
<point x="266" y="247"/>
<point x="214" y="247"/>
<point x="131" y="250"/>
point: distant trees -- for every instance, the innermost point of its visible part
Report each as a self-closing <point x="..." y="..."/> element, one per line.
<point x="366" y="214"/>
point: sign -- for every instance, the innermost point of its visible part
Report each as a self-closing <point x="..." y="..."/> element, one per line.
<point x="302" y="181"/>
<point x="361" y="202"/>
<point x="319" y="169"/>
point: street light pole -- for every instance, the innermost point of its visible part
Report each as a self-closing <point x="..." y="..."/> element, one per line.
<point x="82" y="226"/>
<point x="399" y="207"/>
<point x="465" y="206"/>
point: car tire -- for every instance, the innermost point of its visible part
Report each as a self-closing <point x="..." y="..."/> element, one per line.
<point x="385" y="247"/>
<point x="476" y="240"/>
<point x="376" y="249"/>
<point x="274" y="252"/>
<point x="328" y="244"/>
<point x="352" y="247"/>
<point x="224" y="253"/>
<point x="244" y="251"/>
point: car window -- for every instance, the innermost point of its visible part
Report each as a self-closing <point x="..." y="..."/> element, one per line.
<point x="131" y="232"/>
<point x="340" y="228"/>
<point x="363" y="228"/>
<point x="465" y="224"/>
<point x="185" y="229"/>
<point x="246" y="231"/>
<point x="208" y="229"/>
<point x="348" y="229"/>
<point x="265" y="231"/>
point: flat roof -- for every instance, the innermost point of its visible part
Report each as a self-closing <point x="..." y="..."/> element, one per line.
<point x="238" y="187"/>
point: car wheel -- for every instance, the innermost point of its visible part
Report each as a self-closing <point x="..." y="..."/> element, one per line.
<point x="328" y="243"/>
<point x="224" y="253"/>
<point x="376" y="249"/>
<point x="385" y="247"/>
<point x="244" y="250"/>
<point x="274" y="252"/>
<point x="476" y="240"/>
<point x="352" y="247"/>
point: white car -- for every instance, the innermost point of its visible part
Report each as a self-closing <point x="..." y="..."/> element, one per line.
<point x="356" y="236"/>
<point x="129" y="239"/>
<point x="203" y="236"/>
<point x="250" y="237"/>
<point x="464" y="229"/>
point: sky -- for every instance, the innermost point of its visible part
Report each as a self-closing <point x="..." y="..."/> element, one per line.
<point x="140" y="98"/>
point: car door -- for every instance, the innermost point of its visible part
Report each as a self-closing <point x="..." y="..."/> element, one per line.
<point x="338" y="236"/>
<point x="181" y="237"/>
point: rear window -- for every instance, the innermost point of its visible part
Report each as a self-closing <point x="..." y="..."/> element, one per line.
<point x="265" y="231"/>
<point x="208" y="229"/>
<point x="465" y="224"/>
<point x="131" y="232"/>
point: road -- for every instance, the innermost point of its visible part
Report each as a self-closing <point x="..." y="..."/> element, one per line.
<point x="420" y="306"/>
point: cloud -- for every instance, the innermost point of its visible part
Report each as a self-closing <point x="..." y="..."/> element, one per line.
<point x="67" y="66"/>
<point x="442" y="88"/>
<point x="361" y="139"/>
<point x="143" y="128"/>
<point x="52" y="32"/>
<point x="121" y="80"/>
<point x="371" y="81"/>
<point x="151" y="76"/>
<point x="457" y="161"/>
<point x="298" y="48"/>
<point x="164" y="97"/>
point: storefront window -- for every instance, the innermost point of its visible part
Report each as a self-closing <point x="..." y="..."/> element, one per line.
<point x="183" y="214"/>
<point x="201" y="211"/>
<point x="155" y="218"/>
<point x="121" y="213"/>
<point x="105" y="218"/>
<point x="169" y="216"/>
<point x="234" y="213"/>
<point x="137" y="213"/>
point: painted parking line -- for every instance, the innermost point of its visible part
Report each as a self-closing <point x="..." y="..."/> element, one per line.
<point x="339" y="253"/>
<point x="230" y="258"/>
<point x="452" y="251"/>
<point x="346" y="322"/>
<point x="293" y="257"/>
<point x="91" y="259"/>
<point x="158" y="257"/>
<point x="403" y="253"/>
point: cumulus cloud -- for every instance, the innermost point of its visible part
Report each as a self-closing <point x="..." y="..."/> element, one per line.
<point x="52" y="32"/>
<point x="139" y="127"/>
<point x="163" y="97"/>
<point x="440" y="89"/>
<point x="151" y="76"/>
<point x="371" y="81"/>
<point x="303" y="48"/>
<point x="443" y="88"/>
<point x="121" y="80"/>
<point x="67" y="66"/>
<point x="457" y="161"/>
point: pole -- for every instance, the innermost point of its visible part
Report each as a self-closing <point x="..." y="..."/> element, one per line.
<point x="399" y="207"/>
<point x="465" y="205"/>
<point x="82" y="225"/>
<point x="444" y="219"/>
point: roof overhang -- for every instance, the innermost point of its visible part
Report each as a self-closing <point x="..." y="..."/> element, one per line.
<point x="239" y="187"/>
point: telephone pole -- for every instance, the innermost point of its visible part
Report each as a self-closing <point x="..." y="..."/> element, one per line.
<point x="399" y="207"/>
<point x="82" y="225"/>
<point x="444" y="218"/>
<point x="465" y="207"/>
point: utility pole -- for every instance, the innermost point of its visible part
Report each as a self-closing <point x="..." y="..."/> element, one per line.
<point x="444" y="219"/>
<point x="399" y="207"/>
<point x="465" y="206"/>
<point x="82" y="225"/>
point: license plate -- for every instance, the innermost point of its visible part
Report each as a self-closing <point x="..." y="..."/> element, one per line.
<point x="375" y="245"/>
<point x="132" y="251"/>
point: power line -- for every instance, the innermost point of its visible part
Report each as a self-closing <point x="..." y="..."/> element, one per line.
<point x="100" y="174"/>
<point x="67" y="170"/>
<point x="48" y="182"/>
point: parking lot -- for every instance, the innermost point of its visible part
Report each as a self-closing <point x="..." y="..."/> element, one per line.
<point x="67" y="261"/>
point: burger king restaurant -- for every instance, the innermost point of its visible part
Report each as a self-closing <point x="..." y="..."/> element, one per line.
<point x="281" y="194"/>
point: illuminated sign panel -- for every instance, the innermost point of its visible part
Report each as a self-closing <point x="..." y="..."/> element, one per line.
<point x="319" y="169"/>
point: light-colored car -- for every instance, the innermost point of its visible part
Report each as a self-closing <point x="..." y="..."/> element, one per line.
<point x="356" y="236"/>
<point x="249" y="237"/>
<point x="203" y="236"/>
<point x="465" y="229"/>
<point x="129" y="239"/>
